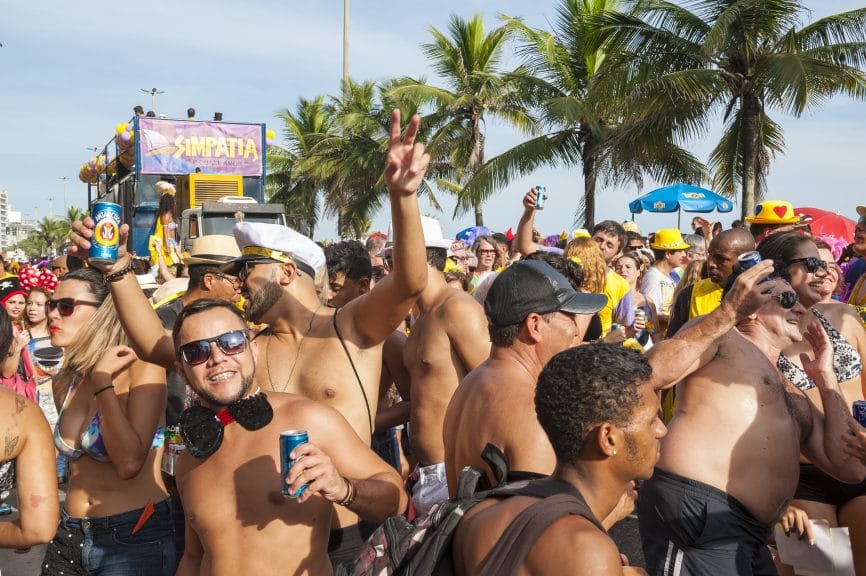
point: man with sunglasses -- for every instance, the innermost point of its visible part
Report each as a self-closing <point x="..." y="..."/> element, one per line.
<point x="238" y="521"/>
<point x="333" y="356"/>
<point x="730" y="462"/>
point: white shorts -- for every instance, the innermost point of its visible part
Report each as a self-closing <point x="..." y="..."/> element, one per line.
<point x="432" y="487"/>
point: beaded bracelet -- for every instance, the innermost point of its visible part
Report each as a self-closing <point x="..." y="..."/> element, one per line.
<point x="115" y="276"/>
<point x="351" y="492"/>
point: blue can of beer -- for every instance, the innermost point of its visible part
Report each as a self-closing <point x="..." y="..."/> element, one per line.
<point x="6" y="509"/>
<point x="860" y="412"/>
<point x="540" y="197"/>
<point x="289" y="440"/>
<point x="106" y="232"/>
<point x="748" y="259"/>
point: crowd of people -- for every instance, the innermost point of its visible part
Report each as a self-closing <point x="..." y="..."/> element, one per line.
<point x="631" y="373"/>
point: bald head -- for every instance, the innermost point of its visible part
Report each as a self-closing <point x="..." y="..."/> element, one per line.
<point x="736" y="239"/>
<point x="724" y="250"/>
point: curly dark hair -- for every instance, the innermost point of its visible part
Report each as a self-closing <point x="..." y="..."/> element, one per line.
<point x="572" y="271"/>
<point x="782" y="247"/>
<point x="583" y="387"/>
<point x="349" y="258"/>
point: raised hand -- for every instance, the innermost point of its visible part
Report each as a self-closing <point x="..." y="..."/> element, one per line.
<point x="82" y="232"/>
<point x="749" y="291"/>
<point x="821" y="368"/>
<point x="115" y="360"/>
<point x="529" y="200"/>
<point x="407" y="161"/>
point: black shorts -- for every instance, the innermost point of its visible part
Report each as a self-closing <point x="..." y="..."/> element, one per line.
<point x="817" y="486"/>
<point x="691" y="528"/>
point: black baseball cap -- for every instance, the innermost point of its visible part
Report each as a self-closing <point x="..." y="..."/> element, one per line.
<point x="534" y="286"/>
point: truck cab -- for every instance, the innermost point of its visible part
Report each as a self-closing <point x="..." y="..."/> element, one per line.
<point x="220" y="217"/>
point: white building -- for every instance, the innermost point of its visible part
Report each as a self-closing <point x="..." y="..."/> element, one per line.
<point x="4" y="220"/>
<point x="18" y="229"/>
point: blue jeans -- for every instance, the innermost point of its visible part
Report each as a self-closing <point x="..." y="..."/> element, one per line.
<point x="105" y="546"/>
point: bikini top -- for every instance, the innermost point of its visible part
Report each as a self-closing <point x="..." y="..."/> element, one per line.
<point x="91" y="442"/>
<point x="846" y="361"/>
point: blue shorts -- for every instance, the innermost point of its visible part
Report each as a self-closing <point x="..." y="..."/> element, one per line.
<point x="105" y="546"/>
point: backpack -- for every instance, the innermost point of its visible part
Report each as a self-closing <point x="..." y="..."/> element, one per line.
<point x="423" y="548"/>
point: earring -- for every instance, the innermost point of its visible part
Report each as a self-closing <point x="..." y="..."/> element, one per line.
<point x="614" y="452"/>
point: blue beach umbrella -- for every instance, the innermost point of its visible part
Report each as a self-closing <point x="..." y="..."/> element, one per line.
<point x="680" y="198"/>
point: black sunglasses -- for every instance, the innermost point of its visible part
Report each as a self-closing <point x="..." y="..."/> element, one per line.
<point x="811" y="262"/>
<point x="787" y="300"/>
<point x="66" y="306"/>
<point x="244" y="271"/>
<point x="198" y="351"/>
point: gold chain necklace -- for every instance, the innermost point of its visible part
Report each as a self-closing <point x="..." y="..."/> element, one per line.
<point x="297" y="355"/>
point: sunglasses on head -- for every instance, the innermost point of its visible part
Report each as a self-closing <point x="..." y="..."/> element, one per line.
<point x="787" y="300"/>
<point x="66" y="306"/>
<point x="811" y="262"/>
<point x="198" y="351"/>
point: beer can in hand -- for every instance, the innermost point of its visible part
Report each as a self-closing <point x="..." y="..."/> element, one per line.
<point x="106" y="232"/>
<point x="540" y="197"/>
<point x="860" y="412"/>
<point x="289" y="440"/>
<point x="749" y="259"/>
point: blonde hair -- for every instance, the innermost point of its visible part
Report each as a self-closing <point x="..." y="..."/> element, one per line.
<point x="591" y="260"/>
<point x="99" y="334"/>
<point x="691" y="274"/>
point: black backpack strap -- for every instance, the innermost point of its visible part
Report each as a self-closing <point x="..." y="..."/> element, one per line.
<point x="496" y="459"/>
<point x="468" y="483"/>
<point x="522" y="533"/>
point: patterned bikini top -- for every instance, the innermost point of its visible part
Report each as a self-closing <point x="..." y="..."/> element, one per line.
<point x="91" y="442"/>
<point x="846" y="361"/>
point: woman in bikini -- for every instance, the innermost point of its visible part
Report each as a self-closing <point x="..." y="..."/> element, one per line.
<point x="117" y="515"/>
<point x="819" y="495"/>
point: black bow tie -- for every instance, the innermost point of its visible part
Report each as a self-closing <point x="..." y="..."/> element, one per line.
<point x="202" y="429"/>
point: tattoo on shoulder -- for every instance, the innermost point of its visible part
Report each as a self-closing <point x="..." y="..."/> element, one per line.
<point x="9" y="445"/>
<point x="20" y="404"/>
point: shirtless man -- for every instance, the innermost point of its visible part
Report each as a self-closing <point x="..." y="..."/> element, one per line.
<point x="237" y="520"/>
<point x="730" y="463"/>
<point x="531" y="311"/>
<point x="447" y="341"/>
<point x="601" y="416"/>
<point x="334" y="356"/>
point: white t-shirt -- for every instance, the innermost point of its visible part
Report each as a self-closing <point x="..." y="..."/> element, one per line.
<point x="659" y="287"/>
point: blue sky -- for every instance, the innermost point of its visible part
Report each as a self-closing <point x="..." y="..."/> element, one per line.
<point x="71" y="71"/>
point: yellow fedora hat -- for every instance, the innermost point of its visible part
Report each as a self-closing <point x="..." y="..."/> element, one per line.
<point x="668" y="239"/>
<point x="773" y="212"/>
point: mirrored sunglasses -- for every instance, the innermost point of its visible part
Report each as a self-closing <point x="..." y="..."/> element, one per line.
<point x="198" y="351"/>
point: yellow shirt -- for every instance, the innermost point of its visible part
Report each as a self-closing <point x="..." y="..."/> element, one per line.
<point x="615" y="288"/>
<point x="706" y="297"/>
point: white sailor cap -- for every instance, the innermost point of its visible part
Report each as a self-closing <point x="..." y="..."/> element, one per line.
<point x="261" y="241"/>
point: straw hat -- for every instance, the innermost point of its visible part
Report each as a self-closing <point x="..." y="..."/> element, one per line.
<point x="773" y="212"/>
<point x="668" y="239"/>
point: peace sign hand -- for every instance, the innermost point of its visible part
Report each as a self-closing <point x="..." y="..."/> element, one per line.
<point x="407" y="161"/>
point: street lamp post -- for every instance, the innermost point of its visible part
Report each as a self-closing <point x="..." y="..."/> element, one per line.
<point x="65" y="179"/>
<point x="345" y="43"/>
<point x="153" y="92"/>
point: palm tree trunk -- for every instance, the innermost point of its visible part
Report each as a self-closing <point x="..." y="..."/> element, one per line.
<point x="589" y="178"/>
<point x="479" y="215"/>
<point x="749" y="147"/>
<point x="476" y="160"/>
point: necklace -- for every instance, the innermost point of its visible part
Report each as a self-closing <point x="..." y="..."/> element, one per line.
<point x="297" y="355"/>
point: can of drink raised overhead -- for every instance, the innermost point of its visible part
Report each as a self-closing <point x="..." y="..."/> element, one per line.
<point x="860" y="412"/>
<point x="289" y="440"/>
<point x="106" y="232"/>
<point x="540" y="197"/>
<point x="748" y="259"/>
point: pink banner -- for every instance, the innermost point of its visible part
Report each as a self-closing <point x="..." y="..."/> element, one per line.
<point x="182" y="146"/>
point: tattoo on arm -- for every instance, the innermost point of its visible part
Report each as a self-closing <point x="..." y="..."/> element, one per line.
<point x="19" y="404"/>
<point x="10" y="444"/>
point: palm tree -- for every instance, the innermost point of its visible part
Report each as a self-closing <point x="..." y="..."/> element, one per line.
<point x="49" y="233"/>
<point x="742" y="58"/>
<point x="583" y="124"/>
<point x="477" y="87"/>
<point x="298" y="190"/>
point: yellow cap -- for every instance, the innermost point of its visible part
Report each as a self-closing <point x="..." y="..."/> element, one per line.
<point x="668" y="239"/>
<point x="773" y="212"/>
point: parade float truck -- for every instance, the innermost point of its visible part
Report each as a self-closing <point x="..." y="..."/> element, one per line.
<point x="217" y="170"/>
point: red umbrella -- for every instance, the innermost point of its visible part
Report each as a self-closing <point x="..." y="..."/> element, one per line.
<point x="826" y="223"/>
